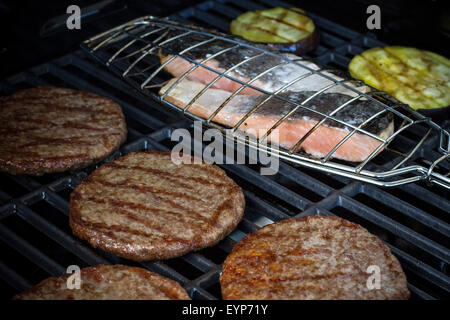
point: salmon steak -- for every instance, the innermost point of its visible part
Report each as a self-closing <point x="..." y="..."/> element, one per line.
<point x="322" y="141"/>
<point x="294" y="81"/>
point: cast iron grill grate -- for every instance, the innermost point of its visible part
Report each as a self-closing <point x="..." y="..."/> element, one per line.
<point x="37" y="242"/>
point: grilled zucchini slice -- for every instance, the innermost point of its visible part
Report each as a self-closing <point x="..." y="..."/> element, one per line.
<point x="415" y="77"/>
<point x="289" y="29"/>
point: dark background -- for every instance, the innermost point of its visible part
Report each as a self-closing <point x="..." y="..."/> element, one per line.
<point x="423" y="24"/>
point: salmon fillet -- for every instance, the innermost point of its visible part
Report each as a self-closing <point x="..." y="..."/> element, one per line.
<point x="319" y="143"/>
<point x="277" y="73"/>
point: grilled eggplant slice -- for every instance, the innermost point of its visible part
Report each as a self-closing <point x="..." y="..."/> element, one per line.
<point x="287" y="29"/>
<point x="415" y="77"/>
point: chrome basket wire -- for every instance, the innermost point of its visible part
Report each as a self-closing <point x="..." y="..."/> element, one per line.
<point x="123" y="50"/>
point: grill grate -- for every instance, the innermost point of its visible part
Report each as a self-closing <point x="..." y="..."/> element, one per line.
<point x="37" y="241"/>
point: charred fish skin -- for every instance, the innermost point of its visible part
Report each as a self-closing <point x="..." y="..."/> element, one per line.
<point x="227" y="59"/>
<point x="277" y="71"/>
<point x="355" y="113"/>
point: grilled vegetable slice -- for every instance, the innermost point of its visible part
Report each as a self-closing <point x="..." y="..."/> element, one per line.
<point x="416" y="77"/>
<point x="290" y="29"/>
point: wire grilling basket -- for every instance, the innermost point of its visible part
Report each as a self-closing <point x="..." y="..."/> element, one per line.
<point x="132" y="52"/>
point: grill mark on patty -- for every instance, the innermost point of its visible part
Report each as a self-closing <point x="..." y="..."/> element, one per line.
<point x="274" y="237"/>
<point x="151" y="225"/>
<point x="74" y="125"/>
<point x="48" y="124"/>
<point x="212" y="222"/>
<point x="226" y="204"/>
<point x="17" y="130"/>
<point x="49" y="106"/>
<point x="145" y="189"/>
<point x="281" y="279"/>
<point x="42" y="118"/>
<point x="166" y="174"/>
<point x="309" y="229"/>
<point x="52" y="159"/>
<point x="31" y="120"/>
<point x="80" y="142"/>
<point x="133" y="205"/>
<point x="108" y="229"/>
<point x="25" y="153"/>
<point x="168" y="200"/>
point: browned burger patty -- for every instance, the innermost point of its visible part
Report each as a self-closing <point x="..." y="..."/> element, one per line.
<point x="48" y="129"/>
<point x="103" y="282"/>
<point x="144" y="207"/>
<point x="311" y="258"/>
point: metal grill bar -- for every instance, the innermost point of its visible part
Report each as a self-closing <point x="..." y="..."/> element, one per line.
<point x="114" y="56"/>
<point x="187" y="73"/>
<point x="235" y="93"/>
<point x="173" y="58"/>
<point x="113" y="36"/>
<point x="299" y="143"/>
<point x="437" y="278"/>
<point x="30" y="252"/>
<point x="209" y="85"/>
<point x="275" y="94"/>
<point x="59" y="236"/>
<point x="410" y="154"/>
<point x="350" y="134"/>
<point x="89" y="68"/>
<point x="150" y="51"/>
<point x="409" y="210"/>
<point x="401" y="231"/>
<point x="14" y="279"/>
<point x="386" y="143"/>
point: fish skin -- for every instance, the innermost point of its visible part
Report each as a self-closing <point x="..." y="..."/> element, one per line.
<point x="318" y="144"/>
<point x="270" y="82"/>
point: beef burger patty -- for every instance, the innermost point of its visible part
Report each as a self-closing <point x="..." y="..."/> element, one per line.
<point x="108" y="282"/>
<point x="143" y="206"/>
<point x="49" y="129"/>
<point x="311" y="258"/>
